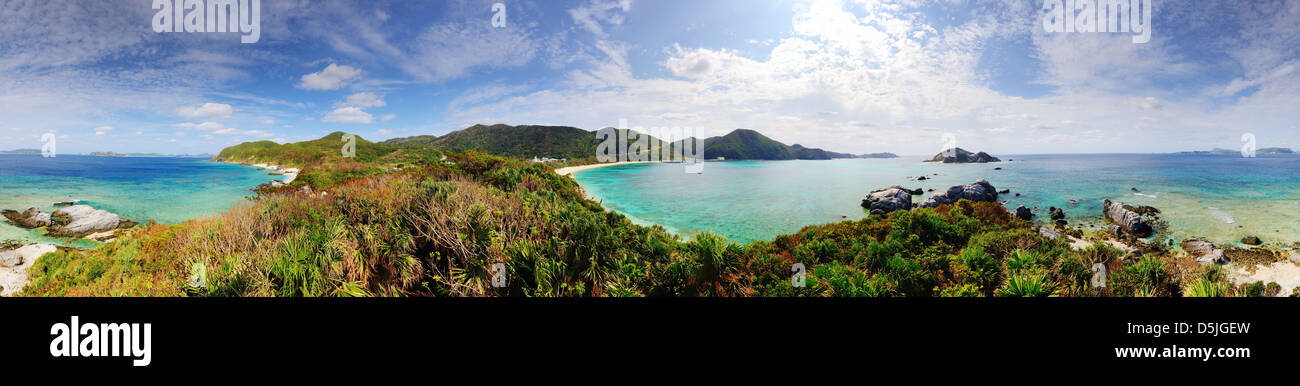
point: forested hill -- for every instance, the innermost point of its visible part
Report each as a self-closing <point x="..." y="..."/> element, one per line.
<point x="513" y="141"/>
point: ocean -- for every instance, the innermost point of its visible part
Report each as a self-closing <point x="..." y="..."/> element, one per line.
<point x="162" y="189"/>
<point x="1220" y="197"/>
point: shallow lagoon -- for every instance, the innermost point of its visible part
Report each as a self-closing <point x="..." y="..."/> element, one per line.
<point x="1221" y="197"/>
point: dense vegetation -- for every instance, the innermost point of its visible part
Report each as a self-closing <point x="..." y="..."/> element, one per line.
<point x="577" y="144"/>
<point x="433" y="228"/>
<point x="513" y="141"/>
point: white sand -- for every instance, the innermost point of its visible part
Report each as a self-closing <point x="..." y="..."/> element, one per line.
<point x="13" y="279"/>
<point x="290" y="174"/>
<point x="1285" y="273"/>
<point x="574" y="169"/>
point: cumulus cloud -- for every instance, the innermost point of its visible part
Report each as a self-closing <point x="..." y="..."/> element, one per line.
<point x="102" y="129"/>
<point x="333" y="77"/>
<point x="348" y="115"/>
<point x="206" y="110"/>
<point x="363" y="99"/>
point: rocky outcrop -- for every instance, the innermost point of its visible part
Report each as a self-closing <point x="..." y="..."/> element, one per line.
<point x="73" y="221"/>
<point x="888" y="200"/>
<point x="81" y="220"/>
<point x="1251" y="240"/>
<point x="1024" y="213"/>
<point x="1205" y="252"/>
<point x="1129" y="221"/>
<point x="1057" y="213"/>
<point x="1049" y="233"/>
<point x="979" y="191"/>
<point x="13" y="277"/>
<point x="961" y="156"/>
<point x="30" y="218"/>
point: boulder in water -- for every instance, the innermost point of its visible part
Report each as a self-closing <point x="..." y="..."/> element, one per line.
<point x="1205" y="252"/>
<point x="1251" y="240"/>
<point x="1129" y="221"/>
<point x="1024" y="213"/>
<point x="889" y="199"/>
<point x="81" y="220"/>
<point x="978" y="191"/>
<point x="30" y="218"/>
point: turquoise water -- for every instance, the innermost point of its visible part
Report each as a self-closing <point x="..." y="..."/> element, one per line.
<point x="1220" y="197"/>
<point x="163" y="189"/>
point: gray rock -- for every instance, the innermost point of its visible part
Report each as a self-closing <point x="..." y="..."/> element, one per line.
<point x="979" y="191"/>
<point x="10" y="258"/>
<point x="887" y="200"/>
<point x="1128" y="220"/>
<point x="1057" y="213"/>
<point x="1049" y="233"/>
<point x="79" y="220"/>
<point x="1024" y="213"/>
<point x="30" y="218"/>
<point x="1205" y="252"/>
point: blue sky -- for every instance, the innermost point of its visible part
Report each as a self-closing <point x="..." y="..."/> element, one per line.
<point x="857" y="76"/>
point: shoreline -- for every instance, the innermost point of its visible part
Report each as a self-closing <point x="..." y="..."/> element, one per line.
<point x="570" y="170"/>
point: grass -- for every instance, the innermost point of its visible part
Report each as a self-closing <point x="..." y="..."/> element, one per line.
<point x="441" y="229"/>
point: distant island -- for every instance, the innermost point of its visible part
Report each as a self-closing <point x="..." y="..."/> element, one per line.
<point x="530" y="141"/>
<point x="961" y="156"/>
<point x="116" y="154"/>
<point x="21" y="151"/>
<point x="1266" y="150"/>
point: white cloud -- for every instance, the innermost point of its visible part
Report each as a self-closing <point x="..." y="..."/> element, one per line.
<point x="333" y="77"/>
<point x="348" y="115"/>
<point x="595" y="13"/>
<point x="102" y="129"/>
<point x="205" y="111"/>
<point x="387" y="117"/>
<point x="363" y="99"/>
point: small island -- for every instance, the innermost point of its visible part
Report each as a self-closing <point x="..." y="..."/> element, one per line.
<point x="961" y="156"/>
<point x="1222" y="151"/>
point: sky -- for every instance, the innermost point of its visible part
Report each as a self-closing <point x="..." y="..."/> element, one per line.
<point x="910" y="77"/>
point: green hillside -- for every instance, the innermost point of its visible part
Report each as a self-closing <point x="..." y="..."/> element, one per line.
<point x="322" y="161"/>
<point x="745" y="144"/>
<point x="513" y="141"/>
<point x="574" y="143"/>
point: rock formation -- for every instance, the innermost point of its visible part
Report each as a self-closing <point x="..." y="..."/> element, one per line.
<point x="979" y="191"/>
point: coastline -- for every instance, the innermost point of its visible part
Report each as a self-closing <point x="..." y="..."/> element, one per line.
<point x="570" y="170"/>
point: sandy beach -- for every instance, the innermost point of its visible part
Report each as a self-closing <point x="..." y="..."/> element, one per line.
<point x="568" y="171"/>
<point x="290" y="173"/>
